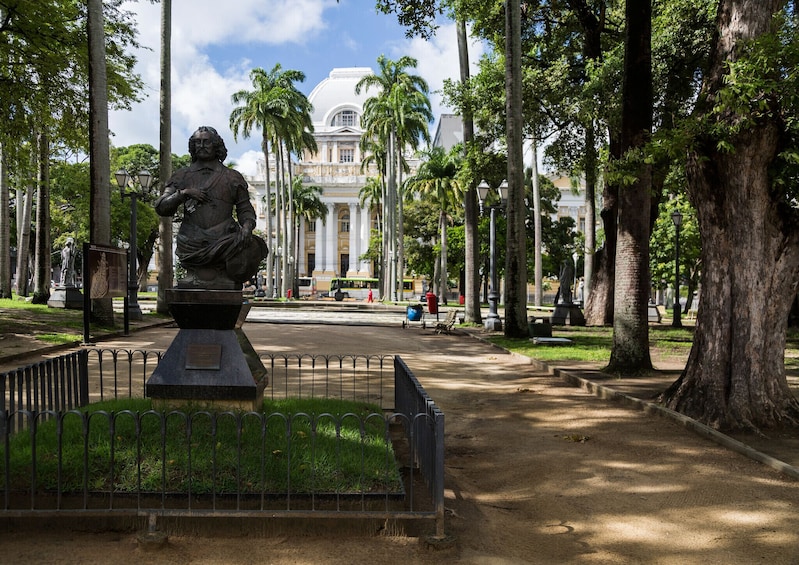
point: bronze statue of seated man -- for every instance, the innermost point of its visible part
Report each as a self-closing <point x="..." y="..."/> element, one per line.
<point x="216" y="249"/>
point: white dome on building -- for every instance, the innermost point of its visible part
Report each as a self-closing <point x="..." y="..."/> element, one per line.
<point x="336" y="94"/>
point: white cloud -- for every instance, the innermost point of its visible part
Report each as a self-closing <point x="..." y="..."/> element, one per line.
<point x="247" y="164"/>
<point x="209" y="62"/>
<point x="200" y="92"/>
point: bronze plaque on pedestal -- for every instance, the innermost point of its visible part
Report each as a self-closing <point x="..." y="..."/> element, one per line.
<point x="204" y="356"/>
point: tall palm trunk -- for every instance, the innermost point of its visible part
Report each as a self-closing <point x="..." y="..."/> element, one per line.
<point x="270" y="284"/>
<point x="472" y="312"/>
<point x="99" y="151"/>
<point x="285" y="216"/>
<point x="516" y="256"/>
<point x="443" y="288"/>
<point x="391" y="220"/>
<point x="286" y="259"/>
<point x="294" y="235"/>
<point x="400" y="237"/>
<point x="166" y="258"/>
<point x="590" y="208"/>
<point x="278" y="213"/>
<point x="42" y="268"/>
<point x="5" y="229"/>
<point x="384" y="259"/>
<point x="538" y="276"/>
<point x="24" y="240"/>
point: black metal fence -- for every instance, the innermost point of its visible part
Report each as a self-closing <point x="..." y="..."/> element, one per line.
<point x="42" y="419"/>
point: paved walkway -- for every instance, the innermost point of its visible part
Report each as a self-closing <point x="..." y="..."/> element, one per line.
<point x="780" y="450"/>
<point x="627" y="487"/>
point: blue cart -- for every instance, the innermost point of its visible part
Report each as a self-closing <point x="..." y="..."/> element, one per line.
<point x="415" y="314"/>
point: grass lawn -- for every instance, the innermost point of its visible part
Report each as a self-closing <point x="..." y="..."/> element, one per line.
<point x="297" y="446"/>
<point x="49" y="325"/>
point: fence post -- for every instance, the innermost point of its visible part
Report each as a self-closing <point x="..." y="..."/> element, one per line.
<point x="83" y="377"/>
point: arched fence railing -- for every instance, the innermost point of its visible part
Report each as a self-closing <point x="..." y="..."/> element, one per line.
<point x="64" y="455"/>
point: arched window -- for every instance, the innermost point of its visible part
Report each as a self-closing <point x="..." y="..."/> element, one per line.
<point x="345" y="118"/>
<point x="344" y="222"/>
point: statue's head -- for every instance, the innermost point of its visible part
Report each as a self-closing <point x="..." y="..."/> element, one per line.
<point x="220" y="151"/>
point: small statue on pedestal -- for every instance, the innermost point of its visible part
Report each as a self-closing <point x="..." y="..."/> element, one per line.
<point x="68" y="263"/>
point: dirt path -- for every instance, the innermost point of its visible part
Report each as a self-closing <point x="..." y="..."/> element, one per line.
<point x="536" y="472"/>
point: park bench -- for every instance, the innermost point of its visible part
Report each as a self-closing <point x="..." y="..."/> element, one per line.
<point x="447" y="324"/>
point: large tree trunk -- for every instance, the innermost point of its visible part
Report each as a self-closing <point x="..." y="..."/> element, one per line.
<point x="5" y="229"/>
<point x="42" y="271"/>
<point x="472" y="313"/>
<point x="166" y="258"/>
<point x="99" y="151"/>
<point x="599" y="306"/>
<point x="516" y="256"/>
<point x="735" y="375"/>
<point x="630" y="351"/>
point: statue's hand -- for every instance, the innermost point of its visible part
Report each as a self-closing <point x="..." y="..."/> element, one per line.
<point x="244" y="235"/>
<point x="196" y="194"/>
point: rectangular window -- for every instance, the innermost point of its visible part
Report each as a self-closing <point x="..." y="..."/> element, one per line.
<point x="346" y="155"/>
<point x="345" y="263"/>
<point x="311" y="262"/>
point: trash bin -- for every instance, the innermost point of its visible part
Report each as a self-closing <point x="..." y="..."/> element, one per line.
<point x="414" y="313"/>
<point x="288" y="294"/>
<point x="432" y="303"/>
<point x="461" y="300"/>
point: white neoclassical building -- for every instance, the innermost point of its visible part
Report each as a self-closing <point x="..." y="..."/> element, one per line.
<point x="333" y="247"/>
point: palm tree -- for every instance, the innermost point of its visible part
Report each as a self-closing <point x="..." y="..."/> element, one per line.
<point x="516" y="257"/>
<point x="5" y="228"/>
<point x="100" y="160"/>
<point x="166" y="258"/>
<point x="397" y="117"/>
<point x="308" y="207"/>
<point x="267" y="107"/>
<point x="297" y="136"/>
<point x="437" y="179"/>
<point x="371" y="194"/>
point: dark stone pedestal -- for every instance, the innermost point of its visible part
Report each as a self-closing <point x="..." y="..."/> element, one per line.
<point x="539" y="327"/>
<point x="66" y="297"/>
<point x="210" y="363"/>
<point x="567" y="312"/>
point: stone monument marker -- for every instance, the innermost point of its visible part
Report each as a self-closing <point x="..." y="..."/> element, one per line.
<point x="65" y="293"/>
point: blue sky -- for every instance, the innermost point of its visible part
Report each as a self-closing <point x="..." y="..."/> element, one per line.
<point x="216" y="44"/>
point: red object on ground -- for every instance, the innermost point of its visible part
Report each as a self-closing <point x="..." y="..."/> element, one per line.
<point x="288" y="294"/>
<point x="432" y="303"/>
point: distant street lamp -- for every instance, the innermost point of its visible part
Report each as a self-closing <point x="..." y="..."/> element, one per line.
<point x="127" y="188"/>
<point x="493" y="322"/>
<point x="676" y="217"/>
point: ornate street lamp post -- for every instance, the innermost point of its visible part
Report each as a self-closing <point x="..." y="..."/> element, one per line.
<point x="127" y="188"/>
<point x="676" y="217"/>
<point x="493" y="322"/>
